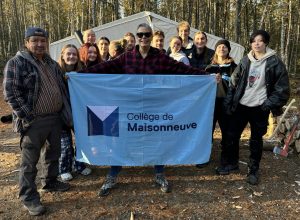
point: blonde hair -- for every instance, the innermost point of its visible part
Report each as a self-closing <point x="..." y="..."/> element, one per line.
<point x="119" y="46"/>
<point x="85" y="35"/>
<point x="200" y="32"/>
<point x="183" y="24"/>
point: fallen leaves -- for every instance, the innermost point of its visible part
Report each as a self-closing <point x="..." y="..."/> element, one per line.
<point x="298" y="182"/>
<point x="237" y="207"/>
<point x="259" y="194"/>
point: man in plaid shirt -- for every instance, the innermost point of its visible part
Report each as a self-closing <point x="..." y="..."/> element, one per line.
<point x="143" y="59"/>
<point x="34" y="88"/>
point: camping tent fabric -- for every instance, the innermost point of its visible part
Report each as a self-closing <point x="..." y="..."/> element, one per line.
<point x="117" y="29"/>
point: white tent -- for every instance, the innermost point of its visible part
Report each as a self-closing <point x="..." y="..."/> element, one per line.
<point x="116" y="30"/>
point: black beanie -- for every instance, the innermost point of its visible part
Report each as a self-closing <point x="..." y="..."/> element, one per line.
<point x="225" y="42"/>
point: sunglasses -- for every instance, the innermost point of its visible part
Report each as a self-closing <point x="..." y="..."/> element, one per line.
<point x="146" y="34"/>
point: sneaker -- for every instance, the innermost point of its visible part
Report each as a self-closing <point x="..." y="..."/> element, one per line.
<point x="34" y="208"/>
<point x="109" y="183"/>
<point x="161" y="181"/>
<point x="202" y="165"/>
<point x="56" y="186"/>
<point x="66" y="177"/>
<point x="253" y="177"/>
<point x="87" y="171"/>
<point x="225" y="170"/>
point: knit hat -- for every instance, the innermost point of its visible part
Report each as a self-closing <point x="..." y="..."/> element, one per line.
<point x="35" y="31"/>
<point x="225" y="42"/>
<point x="265" y="35"/>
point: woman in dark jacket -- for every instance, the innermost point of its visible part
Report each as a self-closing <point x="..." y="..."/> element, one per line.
<point x="201" y="55"/>
<point x="258" y="85"/>
<point x="224" y="65"/>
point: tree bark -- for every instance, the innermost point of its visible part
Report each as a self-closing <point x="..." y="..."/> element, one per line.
<point x="238" y="21"/>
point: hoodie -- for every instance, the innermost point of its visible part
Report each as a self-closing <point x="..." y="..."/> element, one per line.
<point x="256" y="91"/>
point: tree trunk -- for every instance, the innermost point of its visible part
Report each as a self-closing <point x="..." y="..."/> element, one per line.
<point x="190" y="11"/>
<point x="93" y="13"/>
<point x="261" y="23"/>
<point x="287" y="47"/>
<point x="17" y="25"/>
<point x="238" y="21"/>
<point x="2" y="41"/>
<point x="282" y="39"/>
<point x="296" y="52"/>
<point x="254" y="15"/>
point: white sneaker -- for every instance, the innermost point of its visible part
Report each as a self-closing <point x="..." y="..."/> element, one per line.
<point x="87" y="171"/>
<point x="66" y="177"/>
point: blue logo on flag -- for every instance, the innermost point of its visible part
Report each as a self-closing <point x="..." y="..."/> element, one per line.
<point x="103" y="120"/>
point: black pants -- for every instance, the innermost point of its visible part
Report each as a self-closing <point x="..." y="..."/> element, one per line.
<point x="42" y="137"/>
<point x="258" y="120"/>
<point x="221" y="118"/>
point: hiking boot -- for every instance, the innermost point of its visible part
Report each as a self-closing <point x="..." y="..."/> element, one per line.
<point x="161" y="181"/>
<point x="225" y="170"/>
<point x="56" y="186"/>
<point x="109" y="183"/>
<point x="253" y="177"/>
<point x="202" y="165"/>
<point x="34" y="208"/>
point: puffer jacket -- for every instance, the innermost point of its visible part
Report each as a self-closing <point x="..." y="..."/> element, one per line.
<point x="276" y="82"/>
<point x="21" y="85"/>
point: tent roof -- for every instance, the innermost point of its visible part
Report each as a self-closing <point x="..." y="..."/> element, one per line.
<point x="116" y="30"/>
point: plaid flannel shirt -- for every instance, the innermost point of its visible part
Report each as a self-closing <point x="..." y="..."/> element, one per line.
<point x="21" y="87"/>
<point x="132" y="62"/>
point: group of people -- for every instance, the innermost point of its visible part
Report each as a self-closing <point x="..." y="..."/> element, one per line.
<point x="35" y="87"/>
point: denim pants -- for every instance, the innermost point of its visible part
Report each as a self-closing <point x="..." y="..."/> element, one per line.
<point x="67" y="154"/>
<point x="41" y="138"/>
<point x="115" y="170"/>
<point x="258" y="120"/>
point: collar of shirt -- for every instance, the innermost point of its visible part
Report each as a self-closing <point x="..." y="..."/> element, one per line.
<point x="152" y="52"/>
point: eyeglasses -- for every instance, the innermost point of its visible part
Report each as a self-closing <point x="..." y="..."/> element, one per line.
<point x="146" y="34"/>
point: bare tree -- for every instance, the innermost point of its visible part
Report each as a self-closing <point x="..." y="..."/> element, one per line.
<point x="238" y="21"/>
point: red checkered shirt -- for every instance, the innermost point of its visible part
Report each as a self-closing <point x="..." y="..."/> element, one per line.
<point x="131" y="62"/>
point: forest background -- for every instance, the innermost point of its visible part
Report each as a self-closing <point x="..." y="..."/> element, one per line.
<point x="231" y="19"/>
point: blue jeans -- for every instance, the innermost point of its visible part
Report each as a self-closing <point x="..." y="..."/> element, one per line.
<point x="115" y="170"/>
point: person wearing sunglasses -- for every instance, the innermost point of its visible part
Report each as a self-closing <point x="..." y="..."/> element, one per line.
<point x="143" y="59"/>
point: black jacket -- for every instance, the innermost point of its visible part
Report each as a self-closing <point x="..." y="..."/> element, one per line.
<point x="225" y="72"/>
<point x="201" y="60"/>
<point x="277" y="84"/>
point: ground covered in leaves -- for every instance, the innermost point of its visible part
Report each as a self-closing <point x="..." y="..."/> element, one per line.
<point x="196" y="193"/>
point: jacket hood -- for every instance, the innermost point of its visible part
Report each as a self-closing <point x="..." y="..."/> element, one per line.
<point x="27" y="55"/>
<point x="269" y="53"/>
